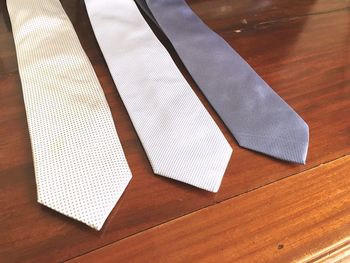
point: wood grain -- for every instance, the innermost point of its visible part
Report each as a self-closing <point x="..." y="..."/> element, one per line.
<point x="282" y="222"/>
<point x="300" y="47"/>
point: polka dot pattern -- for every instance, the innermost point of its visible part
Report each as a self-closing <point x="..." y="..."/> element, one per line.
<point x="80" y="167"/>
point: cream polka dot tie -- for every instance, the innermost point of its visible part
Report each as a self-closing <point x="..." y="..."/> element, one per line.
<point x="179" y="136"/>
<point x="80" y="167"/>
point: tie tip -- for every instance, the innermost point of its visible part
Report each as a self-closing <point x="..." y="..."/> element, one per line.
<point x="202" y="171"/>
<point x="287" y="149"/>
<point x="297" y="161"/>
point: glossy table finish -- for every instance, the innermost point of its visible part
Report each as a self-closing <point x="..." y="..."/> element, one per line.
<point x="301" y="48"/>
<point x="279" y="222"/>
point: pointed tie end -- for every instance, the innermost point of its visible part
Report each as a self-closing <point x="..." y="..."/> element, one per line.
<point x="284" y="149"/>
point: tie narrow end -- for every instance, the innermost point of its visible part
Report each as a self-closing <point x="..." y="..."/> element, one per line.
<point x="289" y="150"/>
<point x="85" y="206"/>
<point x="94" y="225"/>
<point x="204" y="172"/>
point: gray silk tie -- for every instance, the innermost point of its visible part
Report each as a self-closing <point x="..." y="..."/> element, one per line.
<point x="257" y="117"/>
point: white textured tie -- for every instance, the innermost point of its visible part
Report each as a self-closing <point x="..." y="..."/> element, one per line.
<point x="179" y="136"/>
<point x="80" y="167"/>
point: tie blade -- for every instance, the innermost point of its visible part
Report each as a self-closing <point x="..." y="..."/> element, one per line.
<point x="291" y="146"/>
<point x="251" y="110"/>
<point x="80" y="167"/>
<point x="202" y="167"/>
<point x="88" y="203"/>
<point x="181" y="139"/>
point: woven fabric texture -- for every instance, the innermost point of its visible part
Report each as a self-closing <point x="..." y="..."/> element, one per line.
<point x="257" y="117"/>
<point x="179" y="136"/>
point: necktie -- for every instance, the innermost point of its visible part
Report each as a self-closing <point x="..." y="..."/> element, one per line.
<point x="179" y="136"/>
<point x="80" y="167"/>
<point x="257" y="117"/>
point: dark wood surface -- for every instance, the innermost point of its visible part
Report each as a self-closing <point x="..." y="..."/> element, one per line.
<point x="284" y="221"/>
<point x="301" y="48"/>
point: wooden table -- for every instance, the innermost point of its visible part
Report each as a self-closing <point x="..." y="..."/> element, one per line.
<point x="266" y="210"/>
